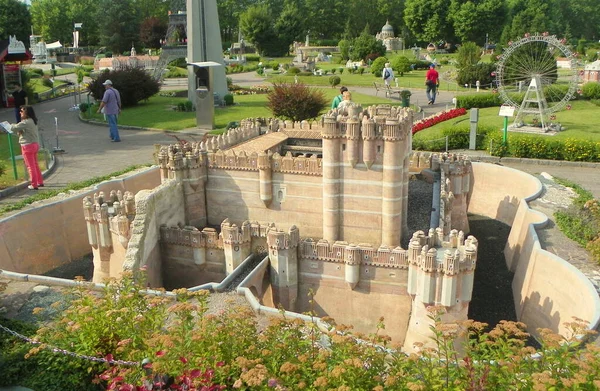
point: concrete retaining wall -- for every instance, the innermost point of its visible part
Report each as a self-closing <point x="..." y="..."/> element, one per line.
<point x="548" y="291"/>
<point x="38" y="240"/>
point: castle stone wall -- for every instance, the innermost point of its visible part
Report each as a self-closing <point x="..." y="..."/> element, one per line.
<point x="380" y="293"/>
<point x="163" y="205"/>
<point x="60" y="234"/>
<point x="236" y="195"/>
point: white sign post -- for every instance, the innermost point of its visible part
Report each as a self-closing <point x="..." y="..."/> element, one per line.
<point x="506" y="111"/>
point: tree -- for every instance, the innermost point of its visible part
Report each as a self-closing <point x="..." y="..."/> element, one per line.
<point x="15" y="19"/>
<point x="229" y="17"/>
<point x="427" y="20"/>
<point x="256" y="24"/>
<point x="152" y="31"/>
<point x="366" y="46"/>
<point x="468" y="55"/>
<point x="134" y="85"/>
<point x="85" y="11"/>
<point x="297" y="102"/>
<point x="51" y="20"/>
<point x="289" y="27"/>
<point x="401" y="64"/>
<point x="325" y="17"/>
<point x="118" y="25"/>
<point x="473" y="19"/>
<point x="527" y="16"/>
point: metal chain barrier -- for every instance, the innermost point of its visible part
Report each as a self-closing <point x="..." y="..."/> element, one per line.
<point x="67" y="353"/>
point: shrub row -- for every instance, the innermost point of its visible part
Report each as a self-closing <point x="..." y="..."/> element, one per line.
<point x="519" y="145"/>
<point x="185" y="348"/>
<point x="581" y="220"/>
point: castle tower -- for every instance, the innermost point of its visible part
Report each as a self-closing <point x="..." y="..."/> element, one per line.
<point x="283" y="257"/>
<point x="440" y="274"/>
<point x="186" y="164"/>
<point x="331" y="135"/>
<point x="108" y="221"/>
<point x="395" y="163"/>
<point x="265" y="175"/>
<point x="369" y="135"/>
<point x="236" y="244"/>
<point x="456" y="181"/>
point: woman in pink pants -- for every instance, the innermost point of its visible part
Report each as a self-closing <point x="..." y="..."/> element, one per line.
<point x="29" y="139"/>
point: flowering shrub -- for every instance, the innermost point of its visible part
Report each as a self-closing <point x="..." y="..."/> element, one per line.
<point x="237" y="90"/>
<point x="437" y="118"/>
<point x="181" y="347"/>
<point x="295" y="101"/>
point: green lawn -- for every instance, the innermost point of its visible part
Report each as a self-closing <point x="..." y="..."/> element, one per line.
<point x="158" y="111"/>
<point x="581" y="122"/>
<point x="413" y="79"/>
<point x="7" y="178"/>
<point x="39" y="87"/>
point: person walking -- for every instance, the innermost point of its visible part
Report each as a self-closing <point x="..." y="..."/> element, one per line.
<point x="111" y="104"/>
<point x="339" y="98"/>
<point x="432" y="81"/>
<point x="20" y="99"/>
<point x="387" y="74"/>
<point x="27" y="130"/>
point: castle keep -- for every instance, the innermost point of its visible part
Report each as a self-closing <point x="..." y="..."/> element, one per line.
<point x="325" y="201"/>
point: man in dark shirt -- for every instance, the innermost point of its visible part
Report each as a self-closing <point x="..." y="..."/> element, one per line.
<point x="20" y="99"/>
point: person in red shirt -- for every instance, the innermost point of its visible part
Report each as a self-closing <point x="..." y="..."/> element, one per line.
<point x="432" y="81"/>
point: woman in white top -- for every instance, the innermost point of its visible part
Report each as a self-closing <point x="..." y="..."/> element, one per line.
<point x="29" y="139"/>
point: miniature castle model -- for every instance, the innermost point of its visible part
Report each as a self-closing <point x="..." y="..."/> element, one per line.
<point x="388" y="38"/>
<point x="334" y="194"/>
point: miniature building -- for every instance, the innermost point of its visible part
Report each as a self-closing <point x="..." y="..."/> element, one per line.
<point x="389" y="40"/>
<point x="334" y="198"/>
<point x="591" y="72"/>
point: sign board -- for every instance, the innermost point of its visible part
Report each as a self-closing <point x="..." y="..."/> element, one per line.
<point x="506" y="111"/>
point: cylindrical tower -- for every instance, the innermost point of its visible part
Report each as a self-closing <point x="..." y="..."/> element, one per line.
<point x="265" y="175"/>
<point x="352" y="135"/>
<point x="331" y="179"/>
<point x="392" y="185"/>
<point x="369" y="135"/>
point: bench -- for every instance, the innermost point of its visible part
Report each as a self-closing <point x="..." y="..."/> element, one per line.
<point x="378" y="87"/>
<point x="389" y="91"/>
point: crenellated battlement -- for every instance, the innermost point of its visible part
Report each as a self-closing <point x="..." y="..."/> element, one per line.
<point x="229" y="160"/>
<point x="460" y="254"/>
<point x="177" y="157"/>
<point x="104" y="215"/>
<point x="191" y="237"/>
<point x="343" y="252"/>
<point x="279" y="240"/>
<point x="384" y="122"/>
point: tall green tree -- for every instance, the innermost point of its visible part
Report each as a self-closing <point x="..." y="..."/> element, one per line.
<point x="229" y="17"/>
<point x="52" y="21"/>
<point x="326" y="17"/>
<point x="85" y="11"/>
<point x="256" y="24"/>
<point x="473" y="19"/>
<point x="15" y="19"/>
<point x="290" y="26"/>
<point x="468" y="55"/>
<point x="427" y="20"/>
<point x="365" y="46"/>
<point x="118" y="25"/>
<point x="527" y="16"/>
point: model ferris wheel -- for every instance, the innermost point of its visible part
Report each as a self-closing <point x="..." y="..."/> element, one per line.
<point x="529" y="78"/>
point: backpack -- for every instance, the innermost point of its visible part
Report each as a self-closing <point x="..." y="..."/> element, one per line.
<point x="386" y="74"/>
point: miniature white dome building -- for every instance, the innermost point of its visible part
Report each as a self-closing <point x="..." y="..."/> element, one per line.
<point x="389" y="40"/>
